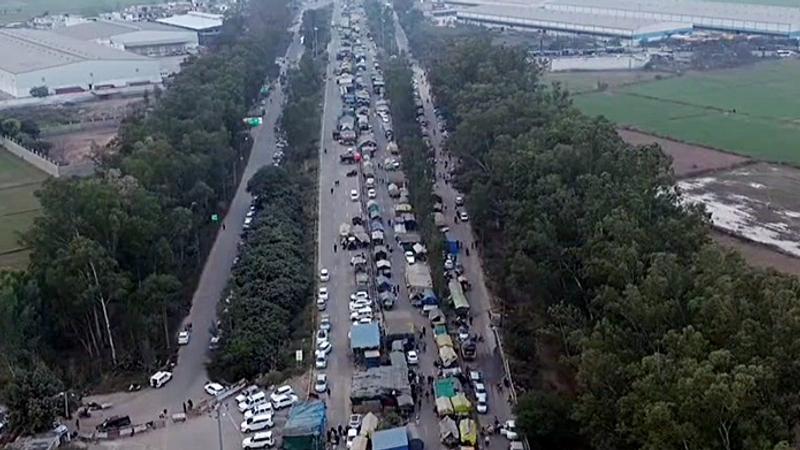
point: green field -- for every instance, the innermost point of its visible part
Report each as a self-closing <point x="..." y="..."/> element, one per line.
<point x="580" y="82"/>
<point x="20" y="10"/>
<point x="754" y="111"/>
<point x="18" y="206"/>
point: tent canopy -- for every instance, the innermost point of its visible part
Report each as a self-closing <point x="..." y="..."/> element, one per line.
<point x="444" y="340"/>
<point x="391" y="439"/>
<point x="365" y="336"/>
<point x="469" y="431"/>
<point x="443" y="406"/>
<point x="448" y="356"/>
<point x="461" y="404"/>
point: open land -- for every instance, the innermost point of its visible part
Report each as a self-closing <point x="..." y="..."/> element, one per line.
<point x="18" y="206"/>
<point x="761" y="2"/>
<point x="753" y="111"/>
<point x="21" y="10"/>
<point x="758" y="202"/>
<point x="687" y="160"/>
<point x="579" y="82"/>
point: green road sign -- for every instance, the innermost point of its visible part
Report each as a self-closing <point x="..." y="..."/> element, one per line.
<point x="215" y="217"/>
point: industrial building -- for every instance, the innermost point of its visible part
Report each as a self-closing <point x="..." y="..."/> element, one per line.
<point x="36" y="58"/>
<point x="635" y="30"/>
<point x="637" y="20"/>
<point x="143" y="38"/>
<point x="739" y="18"/>
<point x="206" y="25"/>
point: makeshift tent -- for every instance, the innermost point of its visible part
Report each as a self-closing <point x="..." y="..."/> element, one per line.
<point x="443" y="406"/>
<point x="305" y="427"/>
<point x="439" y="220"/>
<point x="461" y="404"/>
<point x="445" y="387"/>
<point x="444" y="340"/>
<point x="391" y="439"/>
<point x="448" y="356"/>
<point x="460" y="302"/>
<point x="360" y="443"/>
<point x="365" y="336"/>
<point x="419" y="249"/>
<point x="469" y="431"/>
<point x="448" y="431"/>
<point x="369" y="423"/>
<point x="429" y="297"/>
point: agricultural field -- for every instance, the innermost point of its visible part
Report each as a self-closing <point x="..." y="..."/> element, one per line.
<point x="18" y="206"/>
<point x="753" y="111"/>
<point x="579" y="82"/>
<point x="21" y="10"/>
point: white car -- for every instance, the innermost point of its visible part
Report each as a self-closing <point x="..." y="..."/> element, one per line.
<point x="258" y="422"/>
<point x="410" y="257"/>
<point x="321" y="383"/>
<point x="482" y="406"/>
<point x="359" y="304"/>
<point x="322" y="335"/>
<point x="351" y="436"/>
<point x="321" y="304"/>
<point x="259" y="440"/>
<point x="463" y="216"/>
<point x="183" y="337"/>
<point x="480" y="388"/>
<point x="325" y="322"/>
<point x="261" y="408"/>
<point x="412" y="358"/>
<point x="282" y="390"/>
<point x="213" y="388"/>
<point x="324" y="275"/>
<point x="160" y="378"/>
<point x="365" y="320"/>
<point x="372" y="193"/>
<point x="354" y="195"/>
<point x="246" y="392"/>
<point x="448" y="264"/>
<point x="359" y="295"/>
<point x="324" y="347"/>
<point x="284" y="401"/>
<point x="459" y="201"/>
<point x="509" y="430"/>
<point x="247" y="222"/>
<point x="321" y="361"/>
<point x="323" y="293"/>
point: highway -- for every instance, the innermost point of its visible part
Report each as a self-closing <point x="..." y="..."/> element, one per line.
<point x="488" y="359"/>
<point x="189" y="375"/>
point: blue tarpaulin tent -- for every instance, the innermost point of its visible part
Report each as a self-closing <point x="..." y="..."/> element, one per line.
<point x="391" y="439"/>
<point x="365" y="336"/>
<point x="452" y="247"/>
<point x="305" y="427"/>
<point x="429" y="297"/>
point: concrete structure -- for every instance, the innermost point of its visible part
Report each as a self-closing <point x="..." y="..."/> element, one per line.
<point x="143" y="38"/>
<point x="33" y="58"/>
<point x="635" y="30"/>
<point x="742" y="18"/>
<point x="207" y="26"/>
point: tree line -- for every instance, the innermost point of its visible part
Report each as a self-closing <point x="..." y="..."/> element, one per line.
<point x="627" y="327"/>
<point x="114" y="257"/>
<point x="272" y="284"/>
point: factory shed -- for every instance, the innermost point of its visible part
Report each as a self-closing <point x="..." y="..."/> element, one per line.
<point x="35" y="58"/>
<point x="143" y="38"/>
<point x="539" y="18"/>
<point x="207" y="26"/>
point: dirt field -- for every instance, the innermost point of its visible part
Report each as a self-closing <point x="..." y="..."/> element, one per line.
<point x="687" y="159"/>
<point x="759" y="255"/>
<point x="758" y="202"/>
<point x="76" y="146"/>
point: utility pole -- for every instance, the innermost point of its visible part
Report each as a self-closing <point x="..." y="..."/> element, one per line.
<point x="315" y="41"/>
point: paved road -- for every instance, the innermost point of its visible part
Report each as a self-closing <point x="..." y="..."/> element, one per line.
<point x="488" y="359"/>
<point x="334" y="209"/>
<point x="189" y="375"/>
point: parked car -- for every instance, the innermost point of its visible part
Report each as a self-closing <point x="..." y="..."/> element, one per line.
<point x="284" y="401"/>
<point x="324" y="347"/>
<point x="323" y="293"/>
<point x="160" y="378"/>
<point x="353" y="195"/>
<point x="463" y="216"/>
<point x="183" y="337"/>
<point x="321" y="361"/>
<point x="256" y="423"/>
<point x="324" y="275"/>
<point x="322" y="335"/>
<point x="259" y="440"/>
<point x="354" y="421"/>
<point x="325" y="322"/>
<point x="321" y="383"/>
<point x="509" y="430"/>
<point x="252" y="401"/>
<point x="410" y="257"/>
<point x="262" y="408"/>
<point x="213" y="388"/>
<point x="412" y="358"/>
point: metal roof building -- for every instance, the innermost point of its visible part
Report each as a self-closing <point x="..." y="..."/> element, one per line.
<point x="33" y="58"/>
<point x="634" y="29"/>
<point x="143" y="38"/>
<point x="391" y="439"/>
<point x="193" y="20"/>
<point x="365" y="336"/>
<point x="761" y="19"/>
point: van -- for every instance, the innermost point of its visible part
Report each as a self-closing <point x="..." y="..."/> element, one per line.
<point x="258" y="422"/>
<point x="284" y="401"/>
<point x="160" y="378"/>
<point x="262" y="408"/>
<point x="252" y="401"/>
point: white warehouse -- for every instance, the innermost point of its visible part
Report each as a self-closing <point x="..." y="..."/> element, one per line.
<point x="34" y="58"/>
